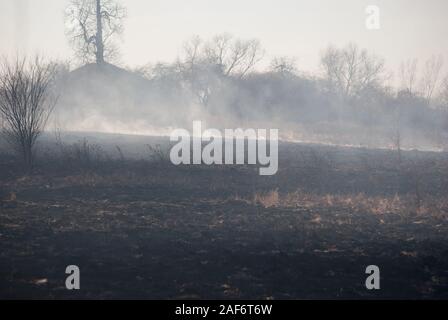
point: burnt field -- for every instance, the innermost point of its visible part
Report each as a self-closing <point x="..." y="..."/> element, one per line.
<point x="139" y="227"/>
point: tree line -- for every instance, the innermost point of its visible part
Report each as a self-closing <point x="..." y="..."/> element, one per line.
<point x="220" y="74"/>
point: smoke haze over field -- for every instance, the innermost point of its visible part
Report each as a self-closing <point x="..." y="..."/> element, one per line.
<point x="309" y="68"/>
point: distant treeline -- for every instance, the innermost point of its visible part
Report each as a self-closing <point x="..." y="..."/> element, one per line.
<point x="218" y="80"/>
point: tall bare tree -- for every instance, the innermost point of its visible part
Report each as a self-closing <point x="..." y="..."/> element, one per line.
<point x="224" y="53"/>
<point x="350" y="70"/>
<point x="408" y="75"/>
<point x="26" y="102"/>
<point x="92" y="26"/>
<point x="204" y="64"/>
<point x="233" y="56"/>
<point x="430" y="78"/>
<point x="199" y="76"/>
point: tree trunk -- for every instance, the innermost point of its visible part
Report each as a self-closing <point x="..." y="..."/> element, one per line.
<point x="27" y="151"/>
<point x="99" y="34"/>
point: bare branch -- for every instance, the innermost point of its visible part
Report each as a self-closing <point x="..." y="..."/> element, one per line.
<point x="26" y="102"/>
<point x="92" y="32"/>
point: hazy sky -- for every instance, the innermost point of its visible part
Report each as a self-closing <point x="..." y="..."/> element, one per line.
<point x="156" y="29"/>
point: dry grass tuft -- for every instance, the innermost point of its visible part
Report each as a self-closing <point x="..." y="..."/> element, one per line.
<point x="267" y="200"/>
<point x="362" y="203"/>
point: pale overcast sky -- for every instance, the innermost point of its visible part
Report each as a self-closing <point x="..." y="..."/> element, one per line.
<point x="156" y="29"/>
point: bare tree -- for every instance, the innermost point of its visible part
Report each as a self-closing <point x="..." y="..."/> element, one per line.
<point x="233" y="56"/>
<point x="408" y="75"/>
<point x="224" y="53"/>
<point x="204" y="64"/>
<point x="197" y="73"/>
<point x="25" y="103"/>
<point x="192" y="52"/>
<point x="350" y="70"/>
<point x="91" y="27"/>
<point x="430" y="77"/>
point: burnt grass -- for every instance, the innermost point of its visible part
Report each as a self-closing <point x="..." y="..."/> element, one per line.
<point x="149" y="230"/>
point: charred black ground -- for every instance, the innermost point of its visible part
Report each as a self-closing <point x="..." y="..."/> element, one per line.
<point x="140" y="228"/>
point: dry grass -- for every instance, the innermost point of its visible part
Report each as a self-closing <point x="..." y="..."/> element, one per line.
<point x="267" y="200"/>
<point x="378" y="205"/>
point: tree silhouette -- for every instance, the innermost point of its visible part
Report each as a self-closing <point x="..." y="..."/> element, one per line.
<point x="92" y="26"/>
